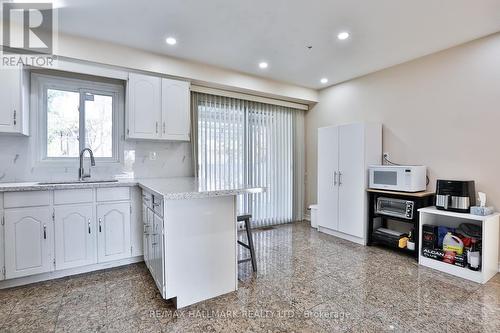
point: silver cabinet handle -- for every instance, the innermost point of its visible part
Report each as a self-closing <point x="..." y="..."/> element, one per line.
<point x="340" y="179"/>
<point x="15" y="118"/>
<point x="163" y="127"/>
<point x="335" y="178"/>
<point x="44" y="231"/>
<point x="89" y="226"/>
<point x="156" y="127"/>
<point x="100" y="222"/>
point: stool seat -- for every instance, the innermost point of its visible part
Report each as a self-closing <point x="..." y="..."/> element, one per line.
<point x="246" y="218"/>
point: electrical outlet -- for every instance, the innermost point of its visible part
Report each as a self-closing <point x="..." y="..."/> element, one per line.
<point x="153" y="156"/>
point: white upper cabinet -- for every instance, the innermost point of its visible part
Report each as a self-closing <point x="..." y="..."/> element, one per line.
<point x="14" y="96"/>
<point x="75" y="236"/>
<point x="157" y="109"/>
<point x="28" y="241"/>
<point x="144" y="106"/>
<point x="175" y="99"/>
<point x="113" y="224"/>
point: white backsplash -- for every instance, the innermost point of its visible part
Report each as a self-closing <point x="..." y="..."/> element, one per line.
<point x="173" y="159"/>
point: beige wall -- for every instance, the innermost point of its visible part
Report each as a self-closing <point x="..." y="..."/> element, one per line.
<point x="442" y="111"/>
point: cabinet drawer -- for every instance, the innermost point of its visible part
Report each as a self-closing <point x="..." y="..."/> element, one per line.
<point x="26" y="199"/>
<point x="62" y="197"/>
<point x="158" y="205"/>
<point x="147" y="199"/>
<point x="113" y="194"/>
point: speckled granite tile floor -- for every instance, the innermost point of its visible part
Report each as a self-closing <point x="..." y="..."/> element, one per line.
<point x="307" y="282"/>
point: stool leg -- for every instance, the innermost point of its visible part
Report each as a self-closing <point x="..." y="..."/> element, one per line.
<point x="250" y="244"/>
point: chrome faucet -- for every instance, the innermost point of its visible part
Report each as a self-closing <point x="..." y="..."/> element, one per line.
<point x="81" y="172"/>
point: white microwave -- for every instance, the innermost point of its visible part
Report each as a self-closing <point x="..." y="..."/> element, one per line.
<point x="404" y="178"/>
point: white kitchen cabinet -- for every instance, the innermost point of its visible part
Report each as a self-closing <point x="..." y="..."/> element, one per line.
<point x="344" y="153"/>
<point x="29" y="241"/>
<point x="2" y="248"/>
<point x="328" y="166"/>
<point x="75" y="236"/>
<point x="158" y="248"/>
<point x="143" y="107"/>
<point x="113" y="223"/>
<point x="175" y="97"/>
<point x="157" y="108"/>
<point x="14" y="96"/>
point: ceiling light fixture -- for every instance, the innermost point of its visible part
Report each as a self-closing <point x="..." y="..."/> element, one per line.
<point x="171" y="41"/>
<point x="343" y="35"/>
<point x="324" y="80"/>
<point x="263" y="65"/>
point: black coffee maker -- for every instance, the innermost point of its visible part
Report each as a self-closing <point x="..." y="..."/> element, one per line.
<point x="455" y="195"/>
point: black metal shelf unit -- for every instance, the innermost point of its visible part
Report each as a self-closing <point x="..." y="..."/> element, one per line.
<point x="420" y="200"/>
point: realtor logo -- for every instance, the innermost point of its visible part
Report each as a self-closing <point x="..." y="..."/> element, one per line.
<point x="27" y="33"/>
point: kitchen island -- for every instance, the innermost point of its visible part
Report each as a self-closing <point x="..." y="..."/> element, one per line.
<point x="190" y="237"/>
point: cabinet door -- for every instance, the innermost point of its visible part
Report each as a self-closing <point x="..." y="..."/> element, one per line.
<point x="28" y="241"/>
<point x="75" y="236"/>
<point x="328" y="164"/>
<point x="158" y="250"/>
<point x="146" y="230"/>
<point x="10" y="100"/>
<point x="2" y="248"/>
<point x="144" y="106"/>
<point x="352" y="180"/>
<point x="175" y="110"/>
<point x="113" y="240"/>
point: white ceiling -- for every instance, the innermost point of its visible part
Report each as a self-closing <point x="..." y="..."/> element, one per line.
<point x="238" y="34"/>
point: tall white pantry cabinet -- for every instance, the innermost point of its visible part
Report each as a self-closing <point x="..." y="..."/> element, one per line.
<point x="344" y="154"/>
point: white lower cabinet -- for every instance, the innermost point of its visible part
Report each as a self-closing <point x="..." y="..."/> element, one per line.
<point x="75" y="236"/>
<point x="158" y="248"/>
<point x="28" y="241"/>
<point x="113" y="239"/>
<point x="2" y="248"/>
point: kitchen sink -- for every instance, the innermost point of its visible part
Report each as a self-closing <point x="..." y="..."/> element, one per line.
<point x="79" y="182"/>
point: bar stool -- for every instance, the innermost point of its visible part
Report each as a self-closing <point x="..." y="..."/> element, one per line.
<point x="249" y="246"/>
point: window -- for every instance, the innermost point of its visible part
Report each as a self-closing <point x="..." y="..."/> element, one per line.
<point x="241" y="142"/>
<point x="75" y="114"/>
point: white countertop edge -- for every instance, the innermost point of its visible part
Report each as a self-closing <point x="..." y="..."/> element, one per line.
<point x="165" y="193"/>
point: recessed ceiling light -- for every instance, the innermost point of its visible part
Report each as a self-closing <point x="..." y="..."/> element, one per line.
<point x="171" y="41"/>
<point x="324" y="80"/>
<point x="263" y="65"/>
<point x="343" y="35"/>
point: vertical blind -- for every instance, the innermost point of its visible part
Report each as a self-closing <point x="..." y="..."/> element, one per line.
<point x="242" y="142"/>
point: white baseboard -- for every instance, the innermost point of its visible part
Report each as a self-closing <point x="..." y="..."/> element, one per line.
<point x="338" y="234"/>
<point x="67" y="272"/>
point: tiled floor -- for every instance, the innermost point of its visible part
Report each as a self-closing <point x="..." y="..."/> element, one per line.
<point x="307" y="282"/>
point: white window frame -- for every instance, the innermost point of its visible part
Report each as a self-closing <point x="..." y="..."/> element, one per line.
<point x="41" y="82"/>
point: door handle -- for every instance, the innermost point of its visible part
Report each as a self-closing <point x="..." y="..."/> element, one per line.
<point x="340" y="179"/>
<point x="44" y="231"/>
<point x="100" y="222"/>
<point x="89" y="226"/>
<point x="163" y="127"/>
<point x="156" y="127"/>
<point x="15" y="118"/>
<point x="335" y="178"/>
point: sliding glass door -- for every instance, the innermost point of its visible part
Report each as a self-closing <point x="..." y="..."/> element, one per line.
<point x="241" y="142"/>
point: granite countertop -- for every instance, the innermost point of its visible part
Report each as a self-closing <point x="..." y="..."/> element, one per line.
<point x="40" y="186"/>
<point x="169" y="188"/>
<point x="192" y="188"/>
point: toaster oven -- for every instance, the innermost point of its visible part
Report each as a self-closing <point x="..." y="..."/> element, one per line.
<point x="395" y="207"/>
